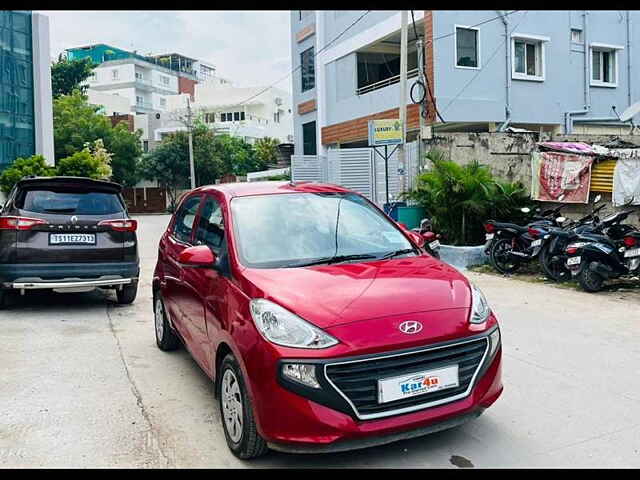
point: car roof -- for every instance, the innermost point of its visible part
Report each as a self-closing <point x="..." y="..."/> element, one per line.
<point x="69" y="181"/>
<point x="244" y="189"/>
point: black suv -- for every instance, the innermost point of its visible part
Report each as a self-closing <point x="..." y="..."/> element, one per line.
<point x="67" y="234"/>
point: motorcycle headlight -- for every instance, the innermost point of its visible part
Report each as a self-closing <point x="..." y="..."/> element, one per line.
<point x="282" y="327"/>
<point x="480" y="310"/>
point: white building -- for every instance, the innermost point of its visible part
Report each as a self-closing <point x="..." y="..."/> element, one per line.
<point x="247" y="112"/>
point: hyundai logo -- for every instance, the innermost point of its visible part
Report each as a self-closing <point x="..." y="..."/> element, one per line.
<point x="410" y="327"/>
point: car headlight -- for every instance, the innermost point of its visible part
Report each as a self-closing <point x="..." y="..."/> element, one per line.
<point x="282" y="327"/>
<point x="480" y="310"/>
<point x="301" y="373"/>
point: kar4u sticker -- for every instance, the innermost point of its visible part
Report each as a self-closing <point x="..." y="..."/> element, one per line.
<point x="420" y="384"/>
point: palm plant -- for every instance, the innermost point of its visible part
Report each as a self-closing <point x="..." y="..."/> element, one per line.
<point x="458" y="198"/>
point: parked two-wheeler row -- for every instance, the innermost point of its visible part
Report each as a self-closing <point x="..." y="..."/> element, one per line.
<point x="590" y="250"/>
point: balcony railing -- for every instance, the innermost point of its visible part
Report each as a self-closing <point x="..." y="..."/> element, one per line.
<point x="385" y="83"/>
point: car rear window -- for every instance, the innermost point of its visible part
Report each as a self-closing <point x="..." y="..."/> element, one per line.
<point x="69" y="202"/>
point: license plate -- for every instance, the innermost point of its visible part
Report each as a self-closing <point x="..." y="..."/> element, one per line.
<point x="574" y="261"/>
<point x="536" y="243"/>
<point x="72" y="239"/>
<point x="488" y="236"/>
<point x="411" y="385"/>
<point x="634" y="252"/>
<point x="435" y="244"/>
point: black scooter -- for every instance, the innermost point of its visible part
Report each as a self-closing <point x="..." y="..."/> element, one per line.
<point x="595" y="258"/>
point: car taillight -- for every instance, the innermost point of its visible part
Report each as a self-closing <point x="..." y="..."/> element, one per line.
<point x="120" y="225"/>
<point x="630" y="242"/>
<point x="489" y="227"/>
<point x="534" y="232"/>
<point x="20" y="223"/>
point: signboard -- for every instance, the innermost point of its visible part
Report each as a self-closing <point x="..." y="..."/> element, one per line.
<point x="385" y="132"/>
<point x="556" y="175"/>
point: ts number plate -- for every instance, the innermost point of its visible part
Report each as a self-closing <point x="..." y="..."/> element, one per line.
<point x="574" y="261"/>
<point x="535" y="243"/>
<point x="634" y="252"/>
<point x="72" y="239"/>
<point x="435" y="244"/>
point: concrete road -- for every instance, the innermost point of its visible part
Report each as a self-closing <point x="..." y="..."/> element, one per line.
<point x="83" y="385"/>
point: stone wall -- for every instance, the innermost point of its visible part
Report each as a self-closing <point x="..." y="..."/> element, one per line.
<point x="508" y="156"/>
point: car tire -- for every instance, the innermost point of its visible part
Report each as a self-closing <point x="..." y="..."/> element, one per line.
<point x="590" y="281"/>
<point x="4" y="299"/>
<point x="166" y="339"/>
<point x="240" y="431"/>
<point x="127" y="294"/>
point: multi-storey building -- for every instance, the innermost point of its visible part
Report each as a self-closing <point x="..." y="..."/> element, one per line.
<point x="247" y="112"/>
<point x="26" y="119"/>
<point x="555" y="71"/>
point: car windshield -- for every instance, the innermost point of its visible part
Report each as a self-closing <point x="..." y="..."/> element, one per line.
<point x="70" y="202"/>
<point x="298" y="229"/>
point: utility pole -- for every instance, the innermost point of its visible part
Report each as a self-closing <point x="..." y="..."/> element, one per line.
<point x="403" y="98"/>
<point x="190" y="128"/>
<point x="423" y="105"/>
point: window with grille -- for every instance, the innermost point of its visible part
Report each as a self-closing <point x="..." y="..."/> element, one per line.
<point x="307" y="69"/>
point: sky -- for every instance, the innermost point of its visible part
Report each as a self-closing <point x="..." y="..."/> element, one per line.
<point x="251" y="48"/>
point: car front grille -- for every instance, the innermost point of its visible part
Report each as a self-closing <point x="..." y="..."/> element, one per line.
<point x="357" y="380"/>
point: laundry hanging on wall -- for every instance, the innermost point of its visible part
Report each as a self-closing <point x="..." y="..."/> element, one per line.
<point x="560" y="177"/>
<point x="626" y="181"/>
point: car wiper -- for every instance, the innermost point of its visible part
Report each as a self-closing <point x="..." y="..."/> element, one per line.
<point x="395" y="253"/>
<point x="334" y="259"/>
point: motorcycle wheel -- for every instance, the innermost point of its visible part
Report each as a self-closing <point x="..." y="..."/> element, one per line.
<point x="590" y="281"/>
<point x="556" y="271"/>
<point x="500" y="258"/>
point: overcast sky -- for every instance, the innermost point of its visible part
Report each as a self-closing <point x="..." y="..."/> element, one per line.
<point x="251" y="48"/>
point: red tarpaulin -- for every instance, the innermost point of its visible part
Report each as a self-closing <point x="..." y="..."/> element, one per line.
<point x="556" y="174"/>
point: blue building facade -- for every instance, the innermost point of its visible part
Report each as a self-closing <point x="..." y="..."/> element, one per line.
<point x="557" y="71"/>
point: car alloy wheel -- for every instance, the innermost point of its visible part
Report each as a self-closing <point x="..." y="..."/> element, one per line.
<point x="159" y="319"/>
<point x="232" y="408"/>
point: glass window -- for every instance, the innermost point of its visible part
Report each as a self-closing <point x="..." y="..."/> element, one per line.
<point x="576" y="35"/>
<point x="241" y="115"/>
<point x="307" y="63"/>
<point x="69" y="201"/>
<point x="211" y="225"/>
<point x="236" y="116"/>
<point x="309" y="138"/>
<point x="527" y="58"/>
<point x="114" y="74"/>
<point x="603" y="66"/>
<point x="316" y="226"/>
<point x="466" y="47"/>
<point x="184" y="219"/>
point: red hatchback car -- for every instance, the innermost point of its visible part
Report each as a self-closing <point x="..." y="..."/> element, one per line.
<point x="324" y="324"/>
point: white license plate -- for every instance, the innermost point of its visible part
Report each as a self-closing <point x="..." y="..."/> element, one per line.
<point x="634" y="252"/>
<point x="435" y="244"/>
<point x="535" y="243"/>
<point x="574" y="261"/>
<point x="411" y="385"/>
<point x="72" y="238"/>
<point x="488" y="236"/>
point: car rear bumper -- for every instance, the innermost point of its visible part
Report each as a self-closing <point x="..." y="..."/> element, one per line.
<point x="67" y="275"/>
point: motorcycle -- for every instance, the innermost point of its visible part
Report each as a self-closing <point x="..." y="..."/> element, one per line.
<point x="596" y="258"/>
<point x="432" y="239"/>
<point x="509" y="244"/>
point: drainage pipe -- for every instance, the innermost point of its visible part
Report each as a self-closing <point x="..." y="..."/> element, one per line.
<point x="568" y="120"/>
<point x="507" y="66"/>
<point x="629" y="57"/>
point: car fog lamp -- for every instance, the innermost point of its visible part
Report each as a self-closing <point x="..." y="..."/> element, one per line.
<point x="301" y="373"/>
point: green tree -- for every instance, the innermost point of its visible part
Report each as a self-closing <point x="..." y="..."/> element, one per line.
<point x="23" y="167"/>
<point x="267" y="151"/>
<point x="459" y="198"/>
<point x="92" y="162"/>
<point x="169" y="166"/>
<point x="68" y="75"/>
<point x="76" y="122"/>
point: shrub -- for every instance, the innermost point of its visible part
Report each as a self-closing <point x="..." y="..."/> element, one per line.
<point x="459" y="198"/>
<point x="87" y="163"/>
<point x="23" y="167"/>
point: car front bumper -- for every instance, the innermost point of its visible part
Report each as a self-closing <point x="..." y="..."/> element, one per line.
<point x="291" y="422"/>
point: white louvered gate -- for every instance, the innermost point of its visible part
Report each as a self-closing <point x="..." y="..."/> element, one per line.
<point x="308" y="168"/>
<point x="352" y="168"/>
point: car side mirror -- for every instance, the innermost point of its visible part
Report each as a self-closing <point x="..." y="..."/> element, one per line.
<point x="403" y="226"/>
<point x="200" y="256"/>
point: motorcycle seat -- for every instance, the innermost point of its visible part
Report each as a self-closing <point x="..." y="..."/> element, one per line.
<point x="510" y="226"/>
